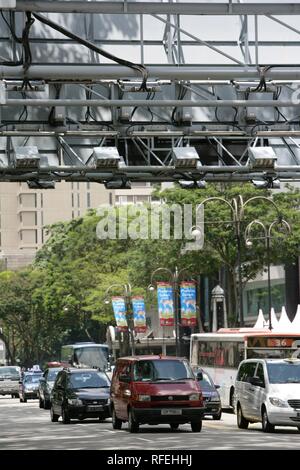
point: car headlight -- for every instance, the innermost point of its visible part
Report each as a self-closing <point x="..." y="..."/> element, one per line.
<point x="75" y="401"/>
<point x="278" y="402"/>
<point x="194" y="396"/>
<point x="144" y="397"/>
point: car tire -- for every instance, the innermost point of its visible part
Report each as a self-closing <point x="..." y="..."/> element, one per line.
<point x="41" y="403"/>
<point x="242" y="422"/>
<point x="133" y="426"/>
<point x="196" y="426"/>
<point x="53" y="416"/>
<point x="218" y="416"/>
<point x="266" y="425"/>
<point x="65" y="416"/>
<point x="21" y="400"/>
<point x="24" y="400"/>
<point x="47" y="405"/>
<point x="174" y="426"/>
<point x="116" y="422"/>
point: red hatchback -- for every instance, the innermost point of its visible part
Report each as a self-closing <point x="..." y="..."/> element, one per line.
<point x="155" y="390"/>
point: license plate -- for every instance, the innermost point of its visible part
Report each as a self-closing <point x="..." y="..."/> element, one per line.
<point x="95" y="408"/>
<point x="171" y="412"/>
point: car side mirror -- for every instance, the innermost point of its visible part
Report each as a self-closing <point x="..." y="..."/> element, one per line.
<point x="199" y="376"/>
<point x="256" y="381"/>
<point x="124" y="378"/>
<point x="217" y="386"/>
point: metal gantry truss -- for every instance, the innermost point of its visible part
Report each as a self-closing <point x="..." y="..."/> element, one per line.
<point x="59" y="95"/>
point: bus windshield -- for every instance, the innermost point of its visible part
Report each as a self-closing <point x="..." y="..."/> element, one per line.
<point x="92" y="356"/>
<point x="86" y="355"/>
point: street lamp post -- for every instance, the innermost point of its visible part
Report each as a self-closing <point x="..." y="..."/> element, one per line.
<point x="237" y="208"/>
<point x="127" y="294"/>
<point x="174" y="278"/>
<point x="267" y="235"/>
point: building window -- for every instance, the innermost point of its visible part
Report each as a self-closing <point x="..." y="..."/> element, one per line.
<point x="88" y="185"/>
<point x="88" y="200"/>
<point x="77" y="186"/>
<point x="42" y="200"/>
<point x="78" y="200"/>
<point x="72" y="196"/>
<point x="110" y="199"/>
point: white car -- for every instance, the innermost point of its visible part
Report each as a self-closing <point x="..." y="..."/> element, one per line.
<point x="268" y="391"/>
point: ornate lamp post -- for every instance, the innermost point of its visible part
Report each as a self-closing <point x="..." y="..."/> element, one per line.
<point x="127" y="294"/>
<point x="174" y="278"/>
<point x="237" y="208"/>
<point x="266" y="237"/>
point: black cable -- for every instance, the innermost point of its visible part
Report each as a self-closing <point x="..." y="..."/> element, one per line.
<point x="139" y="67"/>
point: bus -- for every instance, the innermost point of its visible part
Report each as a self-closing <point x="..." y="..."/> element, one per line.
<point x="220" y="353"/>
<point x="86" y="355"/>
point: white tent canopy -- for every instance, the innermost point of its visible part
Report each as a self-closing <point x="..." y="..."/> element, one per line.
<point x="260" y="322"/>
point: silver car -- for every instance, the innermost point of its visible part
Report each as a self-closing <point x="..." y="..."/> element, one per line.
<point x="9" y="381"/>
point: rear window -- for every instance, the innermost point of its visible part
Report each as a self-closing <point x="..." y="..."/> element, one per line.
<point x="9" y="371"/>
<point x="151" y="371"/>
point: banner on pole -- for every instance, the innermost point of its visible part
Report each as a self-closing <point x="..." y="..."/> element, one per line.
<point x="165" y="303"/>
<point x="119" y="308"/>
<point x="188" y="303"/>
<point x="139" y="314"/>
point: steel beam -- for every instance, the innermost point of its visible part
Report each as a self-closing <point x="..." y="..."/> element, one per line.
<point x="208" y="8"/>
<point x="83" y="72"/>
<point x="153" y="103"/>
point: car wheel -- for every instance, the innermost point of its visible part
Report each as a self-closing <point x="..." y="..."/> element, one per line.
<point x="218" y="416"/>
<point x="196" y="426"/>
<point x="21" y="400"/>
<point x="116" y="422"/>
<point x="41" y="403"/>
<point x="266" y="425"/>
<point x="54" y="417"/>
<point x="65" y="416"/>
<point x="24" y="400"/>
<point x="174" y="426"/>
<point x="242" y="422"/>
<point x="133" y="426"/>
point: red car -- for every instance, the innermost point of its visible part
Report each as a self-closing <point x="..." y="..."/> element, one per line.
<point x="155" y="390"/>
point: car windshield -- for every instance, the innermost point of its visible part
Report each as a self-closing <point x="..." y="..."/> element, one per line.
<point x="284" y="373"/>
<point x="155" y="370"/>
<point x="9" y="371"/>
<point x="206" y="383"/>
<point x="32" y="378"/>
<point x="88" y="380"/>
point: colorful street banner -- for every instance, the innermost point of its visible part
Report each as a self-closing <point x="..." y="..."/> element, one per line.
<point x="188" y="303"/>
<point x="119" y="308"/>
<point x="165" y="303"/>
<point x="139" y="314"/>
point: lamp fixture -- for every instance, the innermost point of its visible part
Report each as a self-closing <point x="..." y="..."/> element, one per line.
<point x="185" y="157"/>
<point x="26" y="157"/>
<point x="192" y="184"/>
<point x="262" y="157"/>
<point x="105" y="157"/>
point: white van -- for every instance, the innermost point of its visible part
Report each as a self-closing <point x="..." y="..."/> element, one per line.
<point x="268" y="391"/>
